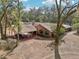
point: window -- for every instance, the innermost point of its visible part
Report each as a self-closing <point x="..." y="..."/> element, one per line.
<point x="46" y="33"/>
<point x="41" y="32"/>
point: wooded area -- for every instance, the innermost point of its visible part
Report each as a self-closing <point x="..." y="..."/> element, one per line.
<point x="12" y="14"/>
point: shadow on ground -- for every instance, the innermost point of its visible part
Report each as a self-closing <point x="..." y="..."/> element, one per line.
<point x="43" y="38"/>
<point x="76" y="34"/>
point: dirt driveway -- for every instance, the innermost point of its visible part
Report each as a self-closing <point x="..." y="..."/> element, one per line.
<point x="37" y="49"/>
<point x="70" y="50"/>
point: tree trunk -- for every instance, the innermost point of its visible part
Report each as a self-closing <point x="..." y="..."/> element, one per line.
<point x="1" y="30"/>
<point x="5" y="37"/>
<point x="18" y="22"/>
<point x="57" y="55"/>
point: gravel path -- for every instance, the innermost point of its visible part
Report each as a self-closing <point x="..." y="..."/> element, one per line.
<point x="37" y="49"/>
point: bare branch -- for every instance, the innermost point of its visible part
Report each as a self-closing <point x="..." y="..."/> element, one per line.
<point x="71" y="7"/>
<point x="69" y="14"/>
<point x="57" y="6"/>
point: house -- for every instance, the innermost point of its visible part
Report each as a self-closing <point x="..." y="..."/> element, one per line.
<point x="26" y="29"/>
<point x="42" y="29"/>
<point x="45" y="29"/>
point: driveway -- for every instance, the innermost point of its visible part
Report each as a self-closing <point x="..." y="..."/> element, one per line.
<point x="70" y="50"/>
<point x="37" y="49"/>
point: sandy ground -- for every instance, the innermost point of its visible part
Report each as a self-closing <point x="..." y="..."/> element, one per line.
<point x="37" y="49"/>
<point x="2" y="52"/>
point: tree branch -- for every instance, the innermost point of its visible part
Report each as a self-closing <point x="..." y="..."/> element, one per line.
<point x="70" y="13"/>
<point x="71" y="7"/>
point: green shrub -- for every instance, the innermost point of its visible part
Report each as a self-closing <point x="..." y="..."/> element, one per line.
<point x="7" y="45"/>
<point x="75" y="26"/>
<point x="62" y="31"/>
<point x="11" y="44"/>
<point x="3" y="44"/>
<point x="3" y="57"/>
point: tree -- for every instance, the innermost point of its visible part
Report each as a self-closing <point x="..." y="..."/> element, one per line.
<point x="17" y="14"/>
<point x="18" y="20"/>
<point x="4" y="5"/>
<point x="10" y="15"/>
<point x="65" y="12"/>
